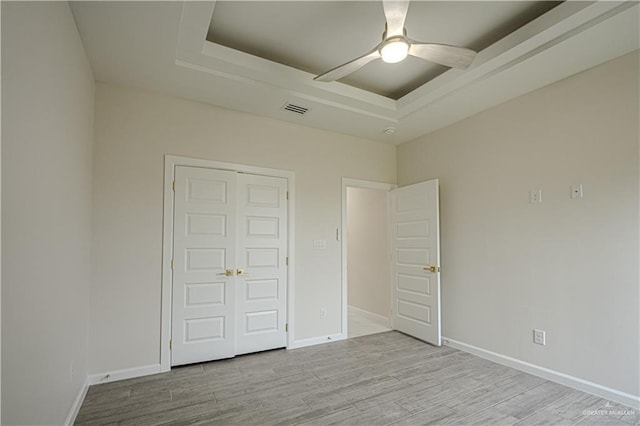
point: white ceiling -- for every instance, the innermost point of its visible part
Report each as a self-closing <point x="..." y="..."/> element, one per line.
<point x="316" y="36"/>
<point x="163" y="46"/>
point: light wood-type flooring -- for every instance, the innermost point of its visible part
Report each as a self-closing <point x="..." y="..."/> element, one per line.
<point x="379" y="379"/>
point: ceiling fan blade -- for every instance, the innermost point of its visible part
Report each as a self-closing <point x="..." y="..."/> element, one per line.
<point x="396" y="12"/>
<point x="351" y="66"/>
<point x="450" y="56"/>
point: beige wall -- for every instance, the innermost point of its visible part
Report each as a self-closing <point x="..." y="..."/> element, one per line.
<point x="569" y="267"/>
<point x="369" y="274"/>
<point x="133" y="131"/>
<point x="47" y="126"/>
<point x="0" y="228"/>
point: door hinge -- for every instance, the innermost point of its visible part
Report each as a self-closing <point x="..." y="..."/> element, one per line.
<point x="173" y="185"/>
<point x="286" y="327"/>
<point x="171" y="263"/>
<point x="286" y="260"/>
<point x="287" y="195"/>
<point x="170" y="344"/>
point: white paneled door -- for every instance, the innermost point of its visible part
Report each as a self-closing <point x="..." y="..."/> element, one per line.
<point x="262" y="277"/>
<point x="204" y="247"/>
<point x="229" y="271"/>
<point x="415" y="244"/>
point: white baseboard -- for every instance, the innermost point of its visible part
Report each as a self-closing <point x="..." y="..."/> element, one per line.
<point x="77" y="403"/>
<point x="624" y="398"/>
<point x="127" y="373"/>
<point x="378" y="319"/>
<point x="317" y="341"/>
<point x="113" y="376"/>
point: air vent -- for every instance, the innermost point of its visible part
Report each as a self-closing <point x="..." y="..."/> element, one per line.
<point x="295" y="108"/>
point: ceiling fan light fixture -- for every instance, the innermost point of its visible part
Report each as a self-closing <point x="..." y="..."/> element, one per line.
<point x="394" y="51"/>
<point x="395" y="47"/>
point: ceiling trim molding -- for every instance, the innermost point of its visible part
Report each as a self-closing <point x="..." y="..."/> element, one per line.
<point x="195" y="52"/>
<point x="557" y="25"/>
<point x="162" y="46"/>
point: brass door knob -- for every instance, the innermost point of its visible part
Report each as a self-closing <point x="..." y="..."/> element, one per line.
<point x="432" y="269"/>
<point x="227" y="273"/>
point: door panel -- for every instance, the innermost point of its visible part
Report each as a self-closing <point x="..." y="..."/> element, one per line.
<point x="203" y="305"/>
<point x="230" y="277"/>
<point x="415" y="248"/>
<point x="262" y="248"/>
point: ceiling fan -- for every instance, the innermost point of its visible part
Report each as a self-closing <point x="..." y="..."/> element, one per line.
<point x="395" y="47"/>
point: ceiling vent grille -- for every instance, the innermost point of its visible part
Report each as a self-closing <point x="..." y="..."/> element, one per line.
<point x="295" y="108"/>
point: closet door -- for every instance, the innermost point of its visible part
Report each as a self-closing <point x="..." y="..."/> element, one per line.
<point x="261" y="291"/>
<point x="229" y="267"/>
<point x="204" y="238"/>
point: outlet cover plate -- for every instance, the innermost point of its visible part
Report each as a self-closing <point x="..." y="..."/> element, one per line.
<point x="576" y="191"/>
<point x="535" y="196"/>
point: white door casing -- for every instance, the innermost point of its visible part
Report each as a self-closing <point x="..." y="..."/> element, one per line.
<point x="262" y="276"/>
<point x="230" y="273"/>
<point x="415" y="245"/>
<point x="204" y="248"/>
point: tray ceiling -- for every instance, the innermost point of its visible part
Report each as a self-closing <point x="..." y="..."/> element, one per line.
<point x="166" y="47"/>
<point x="315" y="36"/>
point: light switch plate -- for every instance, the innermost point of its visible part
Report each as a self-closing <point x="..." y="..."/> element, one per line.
<point x="319" y="244"/>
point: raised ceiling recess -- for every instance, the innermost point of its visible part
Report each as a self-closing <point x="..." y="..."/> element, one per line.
<point x="259" y="56"/>
<point x="315" y="36"/>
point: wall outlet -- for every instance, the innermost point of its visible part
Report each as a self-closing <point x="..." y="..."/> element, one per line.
<point x="535" y="196"/>
<point x="576" y="191"/>
<point x="323" y="313"/>
<point x="539" y="337"/>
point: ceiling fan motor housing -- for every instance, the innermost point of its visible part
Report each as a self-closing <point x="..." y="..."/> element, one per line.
<point x="394" y="49"/>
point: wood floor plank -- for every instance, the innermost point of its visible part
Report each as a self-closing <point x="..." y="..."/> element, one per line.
<point x="484" y="418"/>
<point x="532" y="400"/>
<point x="380" y="379"/>
<point x="341" y="417"/>
<point x="544" y="418"/>
<point x="401" y="393"/>
<point x="379" y="415"/>
<point x="382" y="414"/>
<point x="189" y="414"/>
<point x="351" y="392"/>
<point x="435" y="415"/>
<point x="573" y="405"/>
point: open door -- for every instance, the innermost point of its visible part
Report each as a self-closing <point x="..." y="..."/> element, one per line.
<point x="415" y="247"/>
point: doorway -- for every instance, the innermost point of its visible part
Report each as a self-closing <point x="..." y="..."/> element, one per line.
<point x="366" y="258"/>
<point x="409" y="275"/>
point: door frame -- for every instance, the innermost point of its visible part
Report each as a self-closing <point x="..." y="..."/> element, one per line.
<point x="356" y="183"/>
<point x="170" y="162"/>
